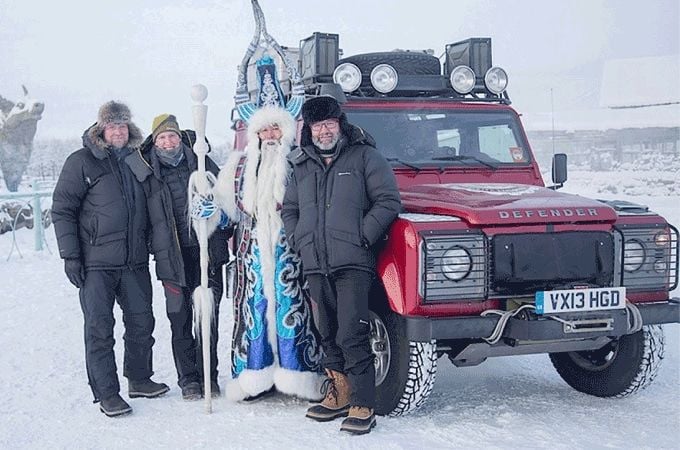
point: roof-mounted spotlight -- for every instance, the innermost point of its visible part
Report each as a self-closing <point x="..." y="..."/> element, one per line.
<point x="496" y="80"/>
<point x="348" y="76"/>
<point x="384" y="78"/>
<point x="462" y="79"/>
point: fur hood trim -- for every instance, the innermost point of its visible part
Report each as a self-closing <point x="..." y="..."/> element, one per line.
<point x="268" y="115"/>
<point x="94" y="137"/>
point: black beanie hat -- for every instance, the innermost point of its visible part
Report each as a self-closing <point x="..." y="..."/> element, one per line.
<point x="320" y="108"/>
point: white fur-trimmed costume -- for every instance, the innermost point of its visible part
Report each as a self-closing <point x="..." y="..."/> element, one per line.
<point x="274" y="342"/>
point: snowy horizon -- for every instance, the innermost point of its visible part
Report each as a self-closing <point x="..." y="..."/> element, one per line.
<point x="149" y="54"/>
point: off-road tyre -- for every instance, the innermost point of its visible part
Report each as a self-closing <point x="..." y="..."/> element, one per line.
<point x="406" y="63"/>
<point x="619" y="369"/>
<point x="412" y="368"/>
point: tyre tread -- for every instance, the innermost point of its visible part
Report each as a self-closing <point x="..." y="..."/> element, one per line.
<point x="421" y="377"/>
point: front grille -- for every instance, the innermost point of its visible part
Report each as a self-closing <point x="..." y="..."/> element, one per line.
<point x="648" y="257"/>
<point x="526" y="263"/>
<point x="447" y="278"/>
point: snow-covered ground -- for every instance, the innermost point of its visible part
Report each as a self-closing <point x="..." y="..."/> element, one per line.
<point x="517" y="402"/>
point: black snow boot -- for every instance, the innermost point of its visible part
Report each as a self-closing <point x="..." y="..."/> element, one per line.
<point x="359" y="421"/>
<point x="114" y="406"/>
<point x="146" y="388"/>
<point x="192" y="391"/>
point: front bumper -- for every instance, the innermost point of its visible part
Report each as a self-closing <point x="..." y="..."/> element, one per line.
<point x="538" y="328"/>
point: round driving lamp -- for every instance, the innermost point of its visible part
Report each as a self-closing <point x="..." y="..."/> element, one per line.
<point x="348" y="76"/>
<point x="633" y="255"/>
<point x="496" y="80"/>
<point x="462" y="79"/>
<point x="456" y="263"/>
<point x="384" y="78"/>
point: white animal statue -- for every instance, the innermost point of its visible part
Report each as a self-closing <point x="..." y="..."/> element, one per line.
<point x="18" y="124"/>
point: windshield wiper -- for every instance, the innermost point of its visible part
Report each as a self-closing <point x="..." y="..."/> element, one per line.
<point x="404" y="163"/>
<point x="465" y="158"/>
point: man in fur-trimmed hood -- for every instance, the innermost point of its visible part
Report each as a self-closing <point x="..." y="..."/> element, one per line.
<point x="101" y="222"/>
<point x="274" y="344"/>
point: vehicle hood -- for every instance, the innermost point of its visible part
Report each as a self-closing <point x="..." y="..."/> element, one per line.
<point x="502" y="203"/>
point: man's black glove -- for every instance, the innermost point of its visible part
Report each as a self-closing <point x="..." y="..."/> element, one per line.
<point x="74" y="271"/>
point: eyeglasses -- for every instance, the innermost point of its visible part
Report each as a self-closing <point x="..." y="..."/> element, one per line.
<point x="331" y="125"/>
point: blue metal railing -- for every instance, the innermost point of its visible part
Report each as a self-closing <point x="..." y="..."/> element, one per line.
<point x="40" y="189"/>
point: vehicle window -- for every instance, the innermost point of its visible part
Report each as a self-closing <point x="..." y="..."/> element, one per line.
<point x="442" y="137"/>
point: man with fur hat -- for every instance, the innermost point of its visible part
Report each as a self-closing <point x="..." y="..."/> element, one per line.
<point x="163" y="165"/>
<point x="101" y="222"/>
<point x="340" y="201"/>
<point x="274" y="342"/>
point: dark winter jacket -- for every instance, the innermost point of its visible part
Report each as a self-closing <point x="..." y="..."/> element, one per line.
<point x="99" y="209"/>
<point x="334" y="214"/>
<point x="166" y="190"/>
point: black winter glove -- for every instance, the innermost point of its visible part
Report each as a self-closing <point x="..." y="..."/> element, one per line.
<point x="74" y="271"/>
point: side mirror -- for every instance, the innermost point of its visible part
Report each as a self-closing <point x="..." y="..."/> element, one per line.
<point x="559" y="170"/>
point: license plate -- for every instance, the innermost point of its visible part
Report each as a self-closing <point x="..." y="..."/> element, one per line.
<point x="577" y="300"/>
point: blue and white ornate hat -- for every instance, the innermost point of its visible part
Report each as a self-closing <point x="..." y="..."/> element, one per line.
<point x="269" y="92"/>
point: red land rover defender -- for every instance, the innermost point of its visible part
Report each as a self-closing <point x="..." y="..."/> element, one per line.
<point x="485" y="260"/>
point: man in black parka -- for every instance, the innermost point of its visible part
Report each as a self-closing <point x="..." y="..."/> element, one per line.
<point x="101" y="222"/>
<point x="164" y="164"/>
<point x="340" y="201"/>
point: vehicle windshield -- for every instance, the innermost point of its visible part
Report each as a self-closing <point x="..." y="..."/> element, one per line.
<point x="444" y="138"/>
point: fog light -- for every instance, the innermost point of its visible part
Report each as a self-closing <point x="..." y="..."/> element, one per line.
<point x="633" y="256"/>
<point x="496" y="80"/>
<point x="456" y="263"/>
<point x="384" y="78"/>
<point x="660" y="266"/>
<point x="462" y="79"/>
<point x="348" y="76"/>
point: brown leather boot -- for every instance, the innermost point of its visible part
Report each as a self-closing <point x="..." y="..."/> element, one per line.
<point x="336" y="400"/>
<point x="359" y="421"/>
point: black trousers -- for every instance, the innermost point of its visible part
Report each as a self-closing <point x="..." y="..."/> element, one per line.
<point x="132" y="290"/>
<point x="186" y="348"/>
<point x="341" y="315"/>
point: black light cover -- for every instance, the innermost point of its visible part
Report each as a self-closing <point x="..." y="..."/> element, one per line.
<point x="474" y="53"/>
<point x="319" y="55"/>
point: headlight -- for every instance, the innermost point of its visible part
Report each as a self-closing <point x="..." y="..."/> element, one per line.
<point x="452" y="267"/>
<point x="462" y="79"/>
<point x="456" y="263"/>
<point x="348" y="76"/>
<point x="633" y="256"/>
<point x="496" y="80"/>
<point x="384" y="78"/>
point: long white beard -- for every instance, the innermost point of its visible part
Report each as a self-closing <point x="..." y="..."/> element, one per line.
<point x="271" y="182"/>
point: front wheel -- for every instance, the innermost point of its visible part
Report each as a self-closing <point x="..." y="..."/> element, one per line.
<point x="404" y="370"/>
<point x="618" y="369"/>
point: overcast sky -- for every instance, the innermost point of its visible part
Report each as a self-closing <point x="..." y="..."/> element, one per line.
<point x="75" y="55"/>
